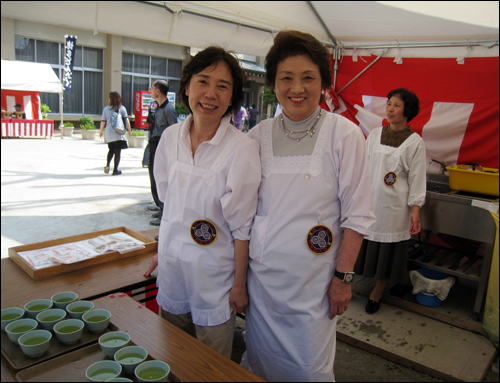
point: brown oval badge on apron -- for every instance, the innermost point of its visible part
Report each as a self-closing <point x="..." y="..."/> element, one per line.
<point x="203" y="232"/>
<point x="319" y="239"/>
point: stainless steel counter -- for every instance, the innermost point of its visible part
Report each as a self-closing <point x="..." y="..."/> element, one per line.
<point x="446" y="211"/>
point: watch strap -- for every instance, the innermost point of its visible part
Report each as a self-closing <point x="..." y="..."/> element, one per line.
<point x="342" y="276"/>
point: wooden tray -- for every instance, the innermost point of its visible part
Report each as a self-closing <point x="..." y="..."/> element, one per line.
<point x="18" y="360"/>
<point x="63" y="269"/>
<point x="71" y="367"/>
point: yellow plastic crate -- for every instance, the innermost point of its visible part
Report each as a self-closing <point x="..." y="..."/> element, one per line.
<point x="471" y="181"/>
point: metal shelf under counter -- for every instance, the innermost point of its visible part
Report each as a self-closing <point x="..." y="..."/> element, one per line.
<point x="454" y="214"/>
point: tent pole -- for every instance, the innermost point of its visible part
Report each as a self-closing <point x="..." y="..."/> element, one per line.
<point x="61" y="125"/>
<point x="334" y="40"/>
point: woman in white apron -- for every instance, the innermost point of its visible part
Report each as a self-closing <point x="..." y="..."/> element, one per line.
<point x="314" y="208"/>
<point x="207" y="174"/>
<point x="398" y="183"/>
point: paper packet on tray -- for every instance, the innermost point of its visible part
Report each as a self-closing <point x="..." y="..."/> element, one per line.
<point x="105" y="243"/>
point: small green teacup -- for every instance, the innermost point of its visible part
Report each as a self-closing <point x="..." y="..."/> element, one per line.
<point x="33" y="308"/>
<point x="10" y="315"/>
<point x="69" y="331"/>
<point x="20" y="327"/>
<point x="35" y="343"/>
<point x="112" y="341"/>
<point x="152" y="371"/>
<point x="97" y="320"/>
<point x="130" y="357"/>
<point x="77" y="309"/>
<point x="61" y="300"/>
<point x="103" y="371"/>
<point x="49" y="318"/>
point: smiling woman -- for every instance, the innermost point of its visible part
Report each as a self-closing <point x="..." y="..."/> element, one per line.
<point x="314" y="208"/>
<point x="207" y="174"/>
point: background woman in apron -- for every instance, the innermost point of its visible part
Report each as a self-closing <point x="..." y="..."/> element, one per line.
<point x="207" y="174"/>
<point x="398" y="183"/>
<point x="314" y="208"/>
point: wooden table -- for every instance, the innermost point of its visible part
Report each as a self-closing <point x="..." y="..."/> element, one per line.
<point x="19" y="288"/>
<point x="188" y="358"/>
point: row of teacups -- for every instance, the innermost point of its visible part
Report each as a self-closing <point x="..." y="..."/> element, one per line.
<point x="33" y="308"/>
<point x="35" y="343"/>
<point x="131" y="360"/>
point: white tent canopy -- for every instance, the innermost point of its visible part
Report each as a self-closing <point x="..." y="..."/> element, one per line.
<point x="21" y="75"/>
<point x="248" y="27"/>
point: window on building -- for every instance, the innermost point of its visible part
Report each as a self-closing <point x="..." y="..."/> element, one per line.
<point x="139" y="72"/>
<point x="86" y="94"/>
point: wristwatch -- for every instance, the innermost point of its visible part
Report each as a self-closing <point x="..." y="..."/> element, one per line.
<point x="346" y="277"/>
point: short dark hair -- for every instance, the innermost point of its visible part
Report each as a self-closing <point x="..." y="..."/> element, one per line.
<point x="162" y="85"/>
<point x="412" y="104"/>
<point x="206" y="58"/>
<point x="295" y="43"/>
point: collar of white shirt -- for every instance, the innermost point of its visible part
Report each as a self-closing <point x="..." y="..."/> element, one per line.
<point x="216" y="140"/>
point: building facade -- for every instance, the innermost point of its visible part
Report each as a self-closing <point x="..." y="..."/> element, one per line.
<point x="116" y="59"/>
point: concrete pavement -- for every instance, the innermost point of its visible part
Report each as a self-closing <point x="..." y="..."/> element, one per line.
<point x="53" y="188"/>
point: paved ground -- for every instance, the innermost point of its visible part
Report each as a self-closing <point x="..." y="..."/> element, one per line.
<point x="53" y="188"/>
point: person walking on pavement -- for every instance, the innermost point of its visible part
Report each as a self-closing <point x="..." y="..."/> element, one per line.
<point x="164" y="116"/>
<point x="116" y="142"/>
<point x="253" y="114"/>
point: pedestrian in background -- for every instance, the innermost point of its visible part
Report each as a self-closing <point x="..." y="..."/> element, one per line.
<point x="252" y="119"/>
<point x="116" y="142"/>
<point x="164" y="116"/>
<point x="237" y="118"/>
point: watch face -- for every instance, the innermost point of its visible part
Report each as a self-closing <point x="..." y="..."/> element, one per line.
<point x="349" y="278"/>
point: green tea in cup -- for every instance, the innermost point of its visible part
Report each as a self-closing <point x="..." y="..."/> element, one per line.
<point x="114" y="341"/>
<point x="11" y="316"/>
<point x="40" y="307"/>
<point x="21" y="329"/>
<point x="68" y="329"/>
<point x="103" y="374"/>
<point x="80" y="309"/>
<point x="97" y="318"/>
<point x="130" y="358"/>
<point x="151" y="373"/>
<point x="51" y="318"/>
<point x="34" y="341"/>
<point x="64" y="300"/>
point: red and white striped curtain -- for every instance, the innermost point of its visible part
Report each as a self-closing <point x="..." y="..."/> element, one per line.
<point x="30" y="102"/>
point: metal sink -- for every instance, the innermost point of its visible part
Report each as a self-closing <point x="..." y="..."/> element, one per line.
<point x="438" y="183"/>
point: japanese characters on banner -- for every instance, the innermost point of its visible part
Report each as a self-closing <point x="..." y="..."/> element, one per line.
<point x="459" y="112"/>
<point x="69" y="60"/>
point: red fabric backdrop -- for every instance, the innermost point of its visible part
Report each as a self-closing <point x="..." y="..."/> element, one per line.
<point x="459" y="110"/>
<point x="19" y="96"/>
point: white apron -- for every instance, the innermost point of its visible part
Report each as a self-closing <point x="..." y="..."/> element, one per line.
<point x="398" y="182"/>
<point x="289" y="334"/>
<point x="198" y="277"/>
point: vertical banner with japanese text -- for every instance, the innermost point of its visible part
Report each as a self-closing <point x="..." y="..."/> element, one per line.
<point x="69" y="60"/>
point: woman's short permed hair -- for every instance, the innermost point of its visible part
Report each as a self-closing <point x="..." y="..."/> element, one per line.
<point x="295" y="43"/>
<point x="206" y="58"/>
<point x="412" y="104"/>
